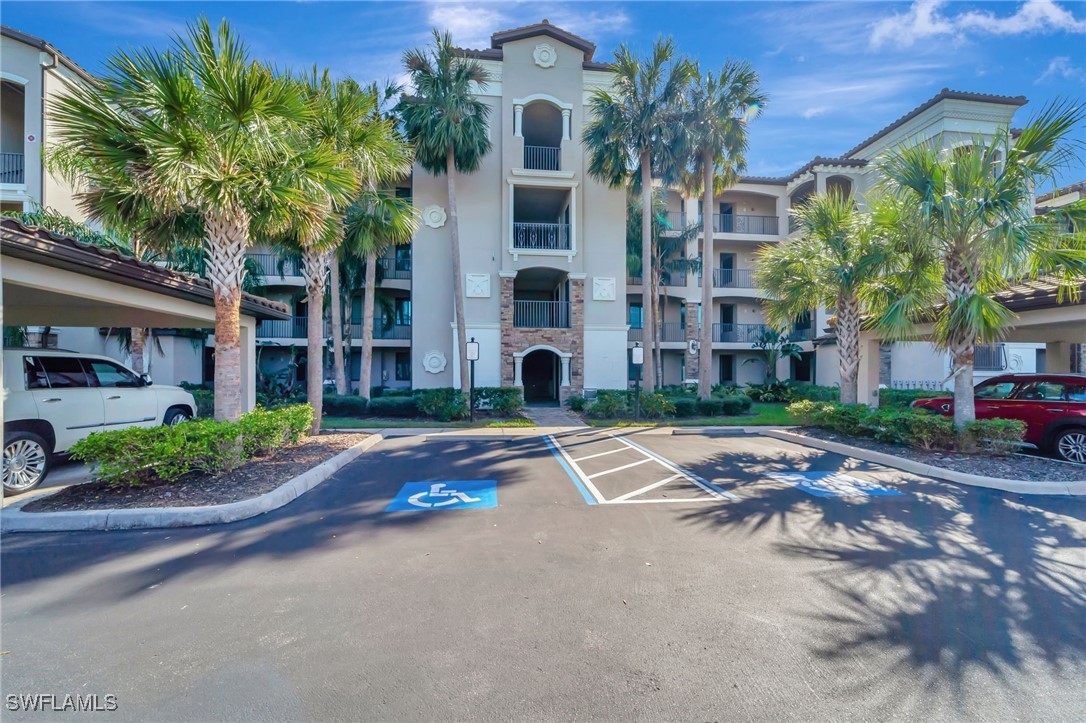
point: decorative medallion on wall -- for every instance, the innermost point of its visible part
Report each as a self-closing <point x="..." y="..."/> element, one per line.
<point x="545" y="55"/>
<point x="434" y="362"/>
<point x="603" y="288"/>
<point x="478" y="286"/>
<point x="434" y="216"/>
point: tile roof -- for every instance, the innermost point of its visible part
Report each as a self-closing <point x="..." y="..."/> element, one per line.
<point x="43" y="246"/>
<point x="544" y="28"/>
<point x="27" y="39"/>
<point x="813" y="163"/>
<point x="1080" y="187"/>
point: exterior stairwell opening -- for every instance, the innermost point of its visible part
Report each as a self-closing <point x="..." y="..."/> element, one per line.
<point x="541" y="373"/>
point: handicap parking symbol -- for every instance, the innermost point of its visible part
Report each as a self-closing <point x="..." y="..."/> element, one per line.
<point x="833" y="484"/>
<point x="447" y="495"/>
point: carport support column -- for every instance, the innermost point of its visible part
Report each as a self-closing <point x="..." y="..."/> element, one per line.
<point x="248" y="364"/>
<point x="867" y="382"/>
<point x="1057" y="357"/>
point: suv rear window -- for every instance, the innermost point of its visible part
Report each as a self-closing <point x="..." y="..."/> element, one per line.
<point x="64" y="372"/>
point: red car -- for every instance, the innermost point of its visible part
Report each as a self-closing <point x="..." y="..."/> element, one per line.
<point x="1053" y="406"/>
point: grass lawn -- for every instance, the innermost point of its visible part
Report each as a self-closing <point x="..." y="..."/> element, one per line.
<point x="355" y="423"/>
<point x="762" y="415"/>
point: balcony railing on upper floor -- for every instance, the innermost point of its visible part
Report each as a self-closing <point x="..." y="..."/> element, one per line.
<point x="294" y="328"/>
<point x="270" y="265"/>
<point x="734" y="223"/>
<point x="541" y="314"/>
<point x="395" y="268"/>
<point x="670" y="331"/>
<point x="738" y="333"/>
<point x="542" y="158"/>
<point x="733" y="278"/>
<point x="669" y="278"/>
<point x="677" y="220"/>
<point x="541" y="236"/>
<point x="12" y="168"/>
<point x="380" y="331"/>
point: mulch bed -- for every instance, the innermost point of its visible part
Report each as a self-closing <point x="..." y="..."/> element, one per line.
<point x="251" y="479"/>
<point x="1014" y="467"/>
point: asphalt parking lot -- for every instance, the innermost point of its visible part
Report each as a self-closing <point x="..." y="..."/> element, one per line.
<point x="593" y="575"/>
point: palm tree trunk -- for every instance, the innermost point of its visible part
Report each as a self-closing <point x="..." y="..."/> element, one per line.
<point x="337" y="329"/>
<point x="227" y="236"/>
<point x="656" y="351"/>
<point x="705" y="343"/>
<point x="314" y="269"/>
<point x="961" y="343"/>
<point x="367" y="325"/>
<point x="848" y="346"/>
<point x="136" y="346"/>
<point x="648" y="324"/>
<point x="458" y="279"/>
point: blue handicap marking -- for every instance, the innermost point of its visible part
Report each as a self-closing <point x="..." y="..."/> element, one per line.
<point x="833" y="484"/>
<point x="447" y="495"/>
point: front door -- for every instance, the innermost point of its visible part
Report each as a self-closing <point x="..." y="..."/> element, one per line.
<point x="727" y="270"/>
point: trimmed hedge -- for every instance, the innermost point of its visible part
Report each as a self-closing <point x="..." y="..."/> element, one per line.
<point x="138" y="455"/>
<point x="902" y="398"/>
<point x="443" y="403"/>
<point x="921" y="430"/>
<point x="394" y="406"/>
<point x="345" y="405"/>
<point x="816" y="393"/>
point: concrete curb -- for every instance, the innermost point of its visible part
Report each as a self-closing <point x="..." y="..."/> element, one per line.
<point x="13" y="519"/>
<point x="1024" y="487"/>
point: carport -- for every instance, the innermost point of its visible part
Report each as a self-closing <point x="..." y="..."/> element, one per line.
<point x="54" y="280"/>
<point x="1042" y="317"/>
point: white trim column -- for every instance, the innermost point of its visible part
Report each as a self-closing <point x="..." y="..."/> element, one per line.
<point x="518" y="371"/>
<point x="518" y="121"/>
<point x="565" y="372"/>
<point x="565" y="123"/>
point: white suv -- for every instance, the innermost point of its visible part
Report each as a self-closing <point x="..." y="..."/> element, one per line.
<point x="53" y="399"/>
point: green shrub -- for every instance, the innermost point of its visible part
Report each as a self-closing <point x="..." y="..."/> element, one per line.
<point x="776" y="391"/>
<point x="577" y="403"/>
<point x="902" y="398"/>
<point x="138" y="455"/>
<point x="685" y="406"/>
<point x="735" y="405"/>
<point x="656" y="405"/>
<point x="444" y="404"/>
<point x="724" y="389"/>
<point x="609" y="403"/>
<point x="804" y="411"/>
<point x="402" y="392"/>
<point x="345" y="405"/>
<point x="711" y="407"/>
<point x="816" y="393"/>
<point x="205" y="403"/>
<point x="394" y="406"/>
<point x="505" y="401"/>
<point x="931" y="431"/>
<point x="894" y="426"/>
<point x="992" y="436"/>
<point x="377" y="392"/>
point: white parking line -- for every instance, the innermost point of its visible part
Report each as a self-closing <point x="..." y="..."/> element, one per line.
<point x="619" y="469"/>
<point x="696" y="479"/>
<point x="601" y="454"/>
<point x="647" y="488"/>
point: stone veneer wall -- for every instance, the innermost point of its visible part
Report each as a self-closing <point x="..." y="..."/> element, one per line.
<point x="691" y="360"/>
<point x="567" y="340"/>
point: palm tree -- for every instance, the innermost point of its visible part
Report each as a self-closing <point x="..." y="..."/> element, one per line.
<point x="835" y="263"/>
<point x="716" y="142"/>
<point x="632" y="130"/>
<point x="967" y="216"/>
<point x="773" y="346"/>
<point x="202" y="130"/>
<point x="375" y="222"/>
<point x="447" y="124"/>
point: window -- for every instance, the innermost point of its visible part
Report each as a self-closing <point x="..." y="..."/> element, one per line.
<point x="35" y="375"/>
<point x="403" y="257"/>
<point x="635" y="317"/>
<point x="109" y="374"/>
<point x="727" y="368"/>
<point x="403" y="312"/>
<point x="64" y="372"/>
<point x="994" y="390"/>
<point x="1046" y="391"/>
<point x="1076" y="393"/>
<point x="403" y="366"/>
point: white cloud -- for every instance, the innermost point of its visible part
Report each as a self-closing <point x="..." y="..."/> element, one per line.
<point x="925" y="19"/>
<point x="469" y="25"/>
<point x="814" y="112"/>
<point x="1061" y="67"/>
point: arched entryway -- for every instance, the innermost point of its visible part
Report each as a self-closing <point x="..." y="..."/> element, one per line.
<point x="541" y="374"/>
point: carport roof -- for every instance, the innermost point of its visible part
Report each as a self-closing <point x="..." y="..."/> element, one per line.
<point x="44" y="247"/>
<point x="1042" y="293"/>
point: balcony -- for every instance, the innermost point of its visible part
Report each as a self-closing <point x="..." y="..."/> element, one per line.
<point x="270" y="265"/>
<point x="990" y="358"/>
<point x="733" y="279"/>
<point x="670" y="331"/>
<point x="541" y="236"/>
<point x="676" y="220"/>
<point x="380" y="331"/>
<point x="733" y="223"/>
<point x="395" y="268"/>
<point x="294" y="328"/>
<point x="12" y="169"/>
<point x="542" y="158"/>
<point x="541" y="314"/>
<point x="738" y="333"/>
<point x="670" y="278"/>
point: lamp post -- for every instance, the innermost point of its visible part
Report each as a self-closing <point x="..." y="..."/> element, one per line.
<point x="473" y="356"/>
<point x="637" y="356"/>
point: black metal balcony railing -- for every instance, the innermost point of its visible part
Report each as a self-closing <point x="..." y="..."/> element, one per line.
<point x="990" y="358"/>
<point x="294" y="328"/>
<point x="541" y="236"/>
<point x="733" y="223"/>
<point x="738" y="333"/>
<point x="380" y="331"/>
<point x="671" y="331"/>
<point x="801" y="333"/>
<point x="677" y="220"/>
<point x="395" y="268"/>
<point x="733" y="278"/>
<point x="12" y="169"/>
<point x="670" y="278"/>
<point x="542" y="158"/>
<point x="541" y="314"/>
<point x="270" y="265"/>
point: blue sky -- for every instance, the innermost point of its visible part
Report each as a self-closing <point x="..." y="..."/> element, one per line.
<point x="835" y="72"/>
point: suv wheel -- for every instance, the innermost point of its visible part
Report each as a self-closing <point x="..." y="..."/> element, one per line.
<point x="26" y="462"/>
<point x="175" y="415"/>
<point x="1070" y="445"/>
